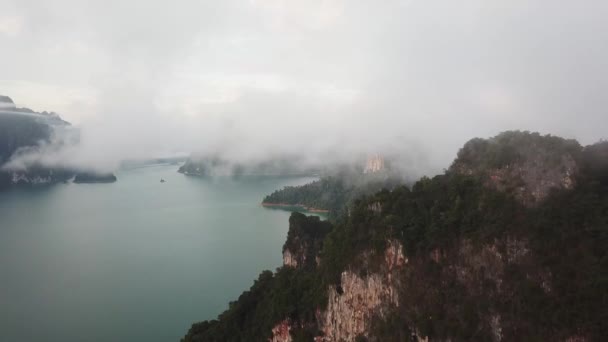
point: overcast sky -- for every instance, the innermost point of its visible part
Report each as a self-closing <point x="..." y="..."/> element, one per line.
<point x="253" y="76"/>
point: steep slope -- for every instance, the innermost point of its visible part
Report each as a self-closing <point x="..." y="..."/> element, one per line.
<point x="459" y="257"/>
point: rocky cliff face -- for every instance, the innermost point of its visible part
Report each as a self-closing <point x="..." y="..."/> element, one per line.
<point x="362" y="302"/>
<point x="359" y="299"/>
<point x="459" y="257"/>
<point x="304" y="240"/>
<point x="527" y="165"/>
<point x="290" y="260"/>
<point x="281" y="332"/>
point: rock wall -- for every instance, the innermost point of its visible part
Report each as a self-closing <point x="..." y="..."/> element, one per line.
<point x="535" y="181"/>
<point x="281" y="332"/>
<point x="524" y="164"/>
<point x="289" y="259"/>
<point x="304" y="240"/>
<point x="353" y="304"/>
<point x="374" y="164"/>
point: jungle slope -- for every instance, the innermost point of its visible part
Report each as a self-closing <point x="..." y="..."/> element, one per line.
<point x="510" y="244"/>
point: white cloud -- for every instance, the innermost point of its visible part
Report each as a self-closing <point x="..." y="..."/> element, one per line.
<point x="10" y="25"/>
<point x="309" y="75"/>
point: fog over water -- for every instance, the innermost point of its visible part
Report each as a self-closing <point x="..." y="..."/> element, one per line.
<point x="257" y="78"/>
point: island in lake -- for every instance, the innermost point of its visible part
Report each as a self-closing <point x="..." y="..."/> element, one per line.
<point x="92" y="177"/>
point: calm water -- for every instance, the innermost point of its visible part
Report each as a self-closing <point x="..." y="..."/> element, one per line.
<point x="136" y="260"/>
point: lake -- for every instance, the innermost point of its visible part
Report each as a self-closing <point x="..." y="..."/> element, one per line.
<point x="136" y="260"/>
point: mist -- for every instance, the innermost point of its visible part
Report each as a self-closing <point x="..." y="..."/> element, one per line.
<point x="324" y="80"/>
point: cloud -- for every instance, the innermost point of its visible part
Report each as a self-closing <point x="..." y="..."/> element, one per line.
<point x="10" y="25"/>
<point x="144" y="77"/>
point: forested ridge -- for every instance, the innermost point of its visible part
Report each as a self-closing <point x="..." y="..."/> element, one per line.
<point x="334" y="192"/>
<point x="483" y="263"/>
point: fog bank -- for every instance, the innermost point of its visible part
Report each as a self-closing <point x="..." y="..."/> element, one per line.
<point x="327" y="80"/>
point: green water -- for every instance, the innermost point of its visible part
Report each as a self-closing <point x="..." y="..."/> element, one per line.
<point x="136" y="260"/>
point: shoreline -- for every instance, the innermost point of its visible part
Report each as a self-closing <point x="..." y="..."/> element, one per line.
<point x="299" y="206"/>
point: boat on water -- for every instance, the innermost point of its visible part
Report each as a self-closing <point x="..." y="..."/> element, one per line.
<point x="162" y="180"/>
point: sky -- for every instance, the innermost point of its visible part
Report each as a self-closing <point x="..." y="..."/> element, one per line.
<point x="258" y="77"/>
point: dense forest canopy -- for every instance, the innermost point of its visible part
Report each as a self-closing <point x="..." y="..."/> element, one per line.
<point x="557" y="290"/>
<point x="335" y="192"/>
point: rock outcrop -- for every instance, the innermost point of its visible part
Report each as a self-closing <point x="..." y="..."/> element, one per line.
<point x="374" y="164"/>
<point x="508" y="245"/>
<point x="304" y="240"/>
<point x="527" y="165"/>
<point x="352" y="306"/>
<point x="358" y="299"/>
<point x="281" y="332"/>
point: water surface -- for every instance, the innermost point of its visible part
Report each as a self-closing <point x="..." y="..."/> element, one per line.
<point x="136" y="260"/>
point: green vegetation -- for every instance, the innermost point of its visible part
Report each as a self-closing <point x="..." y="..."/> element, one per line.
<point x="334" y="193"/>
<point x="541" y="272"/>
<point x="305" y="238"/>
<point x="93" y="177"/>
<point x="513" y="146"/>
<point x="289" y="293"/>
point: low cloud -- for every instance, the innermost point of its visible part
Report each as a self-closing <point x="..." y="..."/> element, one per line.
<point x="327" y="80"/>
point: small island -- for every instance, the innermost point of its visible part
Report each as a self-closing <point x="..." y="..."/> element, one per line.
<point x="92" y="177"/>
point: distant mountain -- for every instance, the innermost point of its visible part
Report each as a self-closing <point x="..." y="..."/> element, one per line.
<point x="6" y="102"/>
<point x="23" y="130"/>
<point x="218" y="166"/>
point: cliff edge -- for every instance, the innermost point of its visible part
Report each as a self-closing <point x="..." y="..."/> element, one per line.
<point x="510" y="244"/>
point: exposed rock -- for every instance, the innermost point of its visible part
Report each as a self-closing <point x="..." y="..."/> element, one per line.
<point x="358" y="299"/>
<point x="289" y="260"/>
<point x="281" y="332"/>
<point x="393" y="256"/>
<point x="375" y="207"/>
<point x="349" y="314"/>
<point x="374" y="164"/>
<point x="525" y="164"/>
<point x="496" y="328"/>
<point x="304" y="240"/>
<point x="481" y="266"/>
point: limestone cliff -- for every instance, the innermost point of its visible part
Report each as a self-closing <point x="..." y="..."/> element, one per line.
<point x="281" y="332"/>
<point x="526" y="164"/>
<point x="374" y="164"/>
<point x="458" y="257"/>
<point x="354" y="303"/>
<point x="304" y="240"/>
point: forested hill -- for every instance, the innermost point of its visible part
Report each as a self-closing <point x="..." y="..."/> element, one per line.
<point x="216" y="165"/>
<point x="510" y="244"/>
<point x="334" y="192"/>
